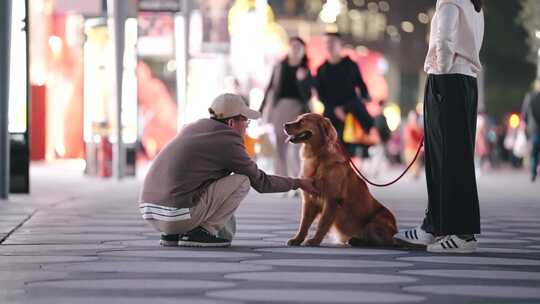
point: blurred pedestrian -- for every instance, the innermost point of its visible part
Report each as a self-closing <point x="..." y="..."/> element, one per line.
<point x="381" y="124"/>
<point x="395" y="145"/>
<point x="513" y="142"/>
<point x="530" y="114"/>
<point x="378" y="152"/>
<point x="286" y="97"/>
<point x="413" y="134"/>
<point x="450" y="109"/>
<point x="481" y="147"/>
<point x="492" y="138"/>
<point x="189" y="193"/>
<point x="342" y="90"/>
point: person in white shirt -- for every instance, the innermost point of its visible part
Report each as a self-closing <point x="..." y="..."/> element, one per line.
<point x="450" y="107"/>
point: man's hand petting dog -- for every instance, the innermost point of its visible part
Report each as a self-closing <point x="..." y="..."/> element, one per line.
<point x="308" y="185"/>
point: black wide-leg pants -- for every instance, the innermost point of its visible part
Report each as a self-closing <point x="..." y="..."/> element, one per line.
<point x="450" y="110"/>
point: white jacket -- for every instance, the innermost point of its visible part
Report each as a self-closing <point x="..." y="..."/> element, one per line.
<point x="457" y="31"/>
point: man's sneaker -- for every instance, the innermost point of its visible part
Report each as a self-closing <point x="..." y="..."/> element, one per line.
<point x="200" y="237"/>
<point x="169" y="240"/>
<point x="415" y="236"/>
<point x="453" y="244"/>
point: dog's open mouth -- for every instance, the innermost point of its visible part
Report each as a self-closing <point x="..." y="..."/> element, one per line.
<point x="300" y="137"/>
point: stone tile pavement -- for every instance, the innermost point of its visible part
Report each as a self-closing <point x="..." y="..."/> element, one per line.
<point x="81" y="240"/>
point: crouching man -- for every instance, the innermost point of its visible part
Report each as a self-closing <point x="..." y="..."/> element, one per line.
<point x="198" y="180"/>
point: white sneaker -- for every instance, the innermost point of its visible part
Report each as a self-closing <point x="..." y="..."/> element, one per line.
<point x="415" y="236"/>
<point x="453" y="244"/>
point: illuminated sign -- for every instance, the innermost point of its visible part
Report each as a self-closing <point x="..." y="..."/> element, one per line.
<point x="17" y="71"/>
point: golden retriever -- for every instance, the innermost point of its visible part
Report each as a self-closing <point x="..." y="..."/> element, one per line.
<point x="344" y="202"/>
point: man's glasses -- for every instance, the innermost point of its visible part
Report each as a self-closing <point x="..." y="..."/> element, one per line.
<point x="244" y="120"/>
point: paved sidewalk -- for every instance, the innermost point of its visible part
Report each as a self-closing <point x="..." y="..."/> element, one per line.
<point x="81" y="240"/>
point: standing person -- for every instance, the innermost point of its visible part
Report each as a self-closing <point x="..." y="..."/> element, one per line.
<point x="412" y="136"/>
<point x="286" y="97"/>
<point x="450" y="109"/>
<point x="341" y="89"/>
<point x="530" y="115"/>
<point x="189" y="194"/>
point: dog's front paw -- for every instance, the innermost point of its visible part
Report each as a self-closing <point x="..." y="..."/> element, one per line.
<point x="313" y="242"/>
<point x="294" y="242"/>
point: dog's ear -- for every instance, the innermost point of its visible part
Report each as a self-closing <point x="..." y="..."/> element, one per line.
<point x="328" y="129"/>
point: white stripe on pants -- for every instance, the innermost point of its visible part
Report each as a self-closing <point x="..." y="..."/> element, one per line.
<point x="215" y="211"/>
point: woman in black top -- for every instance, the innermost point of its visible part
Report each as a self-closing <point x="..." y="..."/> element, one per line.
<point x="286" y="97"/>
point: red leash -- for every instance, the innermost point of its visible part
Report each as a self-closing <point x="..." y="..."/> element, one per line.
<point x="357" y="171"/>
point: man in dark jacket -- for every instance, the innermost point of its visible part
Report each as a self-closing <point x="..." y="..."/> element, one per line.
<point x="341" y="88"/>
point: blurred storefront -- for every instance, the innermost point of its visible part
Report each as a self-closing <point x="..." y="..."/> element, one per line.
<point x="170" y="78"/>
<point x="71" y="76"/>
<point x="157" y="78"/>
<point x="99" y="104"/>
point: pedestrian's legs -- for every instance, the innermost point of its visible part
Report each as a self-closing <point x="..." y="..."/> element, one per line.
<point x="280" y="163"/>
<point x="294" y="160"/>
<point x="286" y="110"/>
<point x="378" y="158"/>
<point x="535" y="151"/>
<point x="409" y="157"/>
<point x="450" y="125"/>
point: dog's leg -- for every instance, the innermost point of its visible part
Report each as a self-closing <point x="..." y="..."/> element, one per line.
<point x="379" y="232"/>
<point x="310" y="210"/>
<point x="325" y="222"/>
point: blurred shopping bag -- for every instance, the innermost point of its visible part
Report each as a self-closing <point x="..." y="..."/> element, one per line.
<point x="520" y="144"/>
<point x="353" y="133"/>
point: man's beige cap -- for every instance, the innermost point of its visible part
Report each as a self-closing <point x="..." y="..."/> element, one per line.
<point x="230" y="105"/>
